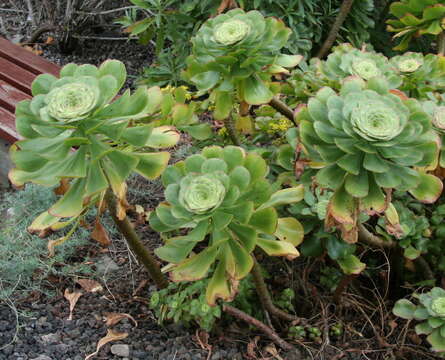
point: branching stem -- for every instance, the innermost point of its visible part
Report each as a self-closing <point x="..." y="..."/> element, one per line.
<point x="233" y="134"/>
<point x="441" y="43"/>
<point x="135" y="243"/>
<point x="261" y="326"/>
<point x="266" y="299"/>
<point x="283" y="109"/>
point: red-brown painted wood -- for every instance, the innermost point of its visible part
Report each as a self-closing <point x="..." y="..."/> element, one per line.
<point x="26" y="59"/>
<point x="7" y="126"/>
<point x="16" y="76"/>
<point x="10" y="96"/>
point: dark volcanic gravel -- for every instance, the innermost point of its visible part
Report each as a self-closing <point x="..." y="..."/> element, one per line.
<point x="46" y="334"/>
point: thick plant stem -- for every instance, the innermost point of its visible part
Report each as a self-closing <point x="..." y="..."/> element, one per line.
<point x="135" y="243"/>
<point x="423" y="266"/>
<point x="263" y="327"/>
<point x="365" y="236"/>
<point x="441" y="44"/>
<point x="265" y="298"/>
<point x="283" y="109"/>
<point x="343" y="13"/>
<point x="341" y="287"/>
<point x="230" y="126"/>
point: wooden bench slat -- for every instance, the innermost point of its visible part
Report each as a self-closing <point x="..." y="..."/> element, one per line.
<point x="7" y="126"/>
<point x="26" y="59"/>
<point x="10" y="96"/>
<point x="15" y="75"/>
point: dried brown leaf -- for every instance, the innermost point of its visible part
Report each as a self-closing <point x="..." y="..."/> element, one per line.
<point x="72" y="297"/>
<point x="111" y="336"/>
<point x="53" y="243"/>
<point x="113" y="318"/>
<point x="90" y="285"/>
<point x="63" y="187"/>
<point x="100" y="234"/>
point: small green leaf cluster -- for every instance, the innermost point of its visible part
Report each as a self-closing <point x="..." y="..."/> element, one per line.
<point x="234" y="56"/>
<point x="285" y="300"/>
<point x="72" y="129"/>
<point x="221" y="196"/>
<point x="415" y="18"/>
<point x="185" y="303"/>
<point x="302" y="332"/>
<point x="431" y="311"/>
<point x="415" y="231"/>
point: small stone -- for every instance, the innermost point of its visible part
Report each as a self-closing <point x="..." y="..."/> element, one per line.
<point x="42" y="357"/>
<point x="122" y="350"/>
<point x="106" y="264"/>
<point x="51" y="338"/>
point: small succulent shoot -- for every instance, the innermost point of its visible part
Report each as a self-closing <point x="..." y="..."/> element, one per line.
<point x="437" y="113"/>
<point x="430" y="310"/>
<point x="365" y="141"/>
<point x="221" y="196"/>
<point x="408" y="62"/>
<point x="422" y="75"/>
<point x="234" y="56"/>
<point x="73" y="130"/>
<point x="415" y="18"/>
<point x="347" y="61"/>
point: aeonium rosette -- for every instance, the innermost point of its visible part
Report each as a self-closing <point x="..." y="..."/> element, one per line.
<point x="437" y="113"/>
<point x="235" y="54"/>
<point x="366" y="141"/>
<point x="422" y="75"/>
<point x="346" y="61"/>
<point x="223" y="201"/>
<point x="73" y="131"/>
<point x="430" y="310"/>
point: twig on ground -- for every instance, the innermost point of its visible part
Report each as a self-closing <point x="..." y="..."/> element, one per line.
<point x="40" y="31"/>
<point x="261" y="326"/>
<point x="30" y="13"/>
<point x="106" y="11"/>
<point x="12" y="10"/>
<point x="84" y="37"/>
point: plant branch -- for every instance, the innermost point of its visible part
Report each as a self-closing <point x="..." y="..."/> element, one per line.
<point x="135" y="243"/>
<point x="424" y="267"/>
<point x="283" y="109"/>
<point x="261" y="326"/>
<point x="367" y="237"/>
<point x="107" y="11"/>
<point x="266" y="299"/>
<point x="343" y="284"/>
<point x="342" y="14"/>
<point x="40" y="31"/>
<point x="233" y="134"/>
<point x="441" y="43"/>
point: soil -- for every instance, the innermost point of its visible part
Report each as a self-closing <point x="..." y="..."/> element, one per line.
<point x="38" y="327"/>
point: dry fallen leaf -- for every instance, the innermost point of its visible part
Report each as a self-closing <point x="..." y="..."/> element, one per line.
<point x="53" y="243"/>
<point x="49" y="40"/>
<point x="113" y="318"/>
<point x="251" y="348"/>
<point x="90" y="285"/>
<point x="111" y="336"/>
<point x="72" y="297"/>
<point x="100" y="234"/>
<point x="272" y="350"/>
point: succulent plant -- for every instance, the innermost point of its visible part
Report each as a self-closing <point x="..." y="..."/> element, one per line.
<point x="235" y="54"/>
<point x="346" y="61"/>
<point x="437" y="113"/>
<point x="414" y="18"/>
<point x="222" y="196"/>
<point x="430" y="310"/>
<point x="71" y="129"/>
<point x="422" y="75"/>
<point x="408" y="62"/>
<point x="365" y="140"/>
